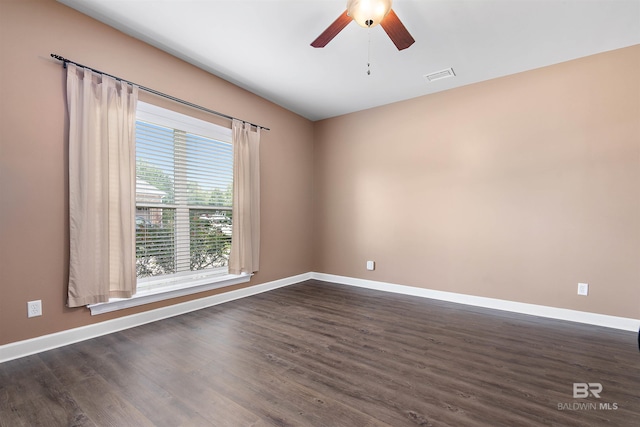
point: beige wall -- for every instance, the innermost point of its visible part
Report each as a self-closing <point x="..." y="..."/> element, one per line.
<point x="33" y="157"/>
<point x="516" y="188"/>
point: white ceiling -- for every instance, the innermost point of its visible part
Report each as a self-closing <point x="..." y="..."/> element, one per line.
<point x="263" y="45"/>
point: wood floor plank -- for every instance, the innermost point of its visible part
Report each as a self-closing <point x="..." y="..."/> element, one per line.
<point x="369" y="378"/>
<point x="237" y="380"/>
<point x="105" y="406"/>
<point x="321" y="354"/>
<point x="262" y="358"/>
<point x="263" y="375"/>
<point x="168" y="370"/>
<point x="32" y="395"/>
<point x="155" y="403"/>
<point x="282" y="353"/>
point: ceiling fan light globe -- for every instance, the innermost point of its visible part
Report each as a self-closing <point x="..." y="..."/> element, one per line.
<point x="368" y="13"/>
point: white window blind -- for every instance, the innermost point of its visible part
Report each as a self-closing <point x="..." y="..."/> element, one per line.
<point x="184" y="181"/>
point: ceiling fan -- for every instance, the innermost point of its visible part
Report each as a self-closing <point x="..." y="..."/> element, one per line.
<point x="369" y="13"/>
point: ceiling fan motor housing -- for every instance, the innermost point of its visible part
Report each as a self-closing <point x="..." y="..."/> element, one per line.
<point x="368" y="13"/>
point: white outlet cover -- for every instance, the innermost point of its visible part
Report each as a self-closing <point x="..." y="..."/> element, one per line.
<point x="371" y="265"/>
<point x="34" y="308"/>
<point x="583" y="289"/>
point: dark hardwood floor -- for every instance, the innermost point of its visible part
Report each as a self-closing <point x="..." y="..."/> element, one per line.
<point x="320" y="354"/>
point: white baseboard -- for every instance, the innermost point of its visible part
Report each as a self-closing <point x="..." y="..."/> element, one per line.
<point x="47" y="342"/>
<point x="623" y="323"/>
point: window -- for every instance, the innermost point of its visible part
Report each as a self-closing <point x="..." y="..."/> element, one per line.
<point x="184" y="182"/>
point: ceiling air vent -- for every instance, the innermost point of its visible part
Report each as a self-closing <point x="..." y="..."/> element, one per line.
<point x="439" y="75"/>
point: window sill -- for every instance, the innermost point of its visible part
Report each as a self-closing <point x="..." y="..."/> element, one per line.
<point x="178" y="289"/>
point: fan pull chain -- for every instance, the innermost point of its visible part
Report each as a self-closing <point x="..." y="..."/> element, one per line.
<point x="369" y="51"/>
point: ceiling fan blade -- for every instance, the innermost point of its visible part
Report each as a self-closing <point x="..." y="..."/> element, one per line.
<point x="332" y="31"/>
<point x="396" y="31"/>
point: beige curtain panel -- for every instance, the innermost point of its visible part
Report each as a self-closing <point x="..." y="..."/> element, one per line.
<point x="245" y="243"/>
<point x="102" y="114"/>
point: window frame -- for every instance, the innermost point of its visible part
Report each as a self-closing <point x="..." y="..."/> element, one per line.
<point x="158" y="288"/>
<point x="183" y="288"/>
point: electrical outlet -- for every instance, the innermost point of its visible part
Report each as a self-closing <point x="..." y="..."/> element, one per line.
<point x="34" y="308"/>
<point x="583" y="289"/>
<point x="371" y="265"/>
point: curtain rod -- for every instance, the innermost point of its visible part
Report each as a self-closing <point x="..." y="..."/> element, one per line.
<point x="155" y="92"/>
